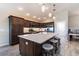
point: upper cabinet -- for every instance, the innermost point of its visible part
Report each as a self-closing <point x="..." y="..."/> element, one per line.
<point x="22" y="21"/>
<point x="16" y="20"/>
<point x="27" y="23"/>
<point x="34" y="24"/>
<point x="44" y="25"/>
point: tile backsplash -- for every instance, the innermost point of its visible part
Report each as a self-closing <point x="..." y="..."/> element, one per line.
<point x="25" y="29"/>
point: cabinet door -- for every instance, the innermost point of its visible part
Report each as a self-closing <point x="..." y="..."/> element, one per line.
<point x="29" y="48"/>
<point x="17" y="29"/>
<point x="26" y="23"/>
<point x="37" y="49"/>
<point x="17" y="20"/>
<point x="26" y="47"/>
<point x="14" y="40"/>
<point x="22" y="47"/>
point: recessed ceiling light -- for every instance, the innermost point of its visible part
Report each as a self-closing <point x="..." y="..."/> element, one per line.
<point x="34" y="16"/>
<point x="43" y="8"/>
<point x="50" y="15"/>
<point x="39" y="18"/>
<point x="54" y="17"/>
<point x="27" y="14"/>
<point x="20" y="8"/>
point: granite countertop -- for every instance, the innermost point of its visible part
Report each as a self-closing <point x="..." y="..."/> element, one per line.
<point x="39" y="37"/>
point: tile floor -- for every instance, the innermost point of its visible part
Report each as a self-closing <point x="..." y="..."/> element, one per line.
<point x="71" y="48"/>
<point x="9" y="50"/>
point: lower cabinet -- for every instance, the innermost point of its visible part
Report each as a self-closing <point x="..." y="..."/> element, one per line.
<point x="29" y="48"/>
<point x="37" y="50"/>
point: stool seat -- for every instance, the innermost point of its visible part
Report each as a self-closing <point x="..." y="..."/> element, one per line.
<point x="54" y="41"/>
<point x="47" y="47"/>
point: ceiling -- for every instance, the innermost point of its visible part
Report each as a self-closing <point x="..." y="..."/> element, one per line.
<point x="35" y="9"/>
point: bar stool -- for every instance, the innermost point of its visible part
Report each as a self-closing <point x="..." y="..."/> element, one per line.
<point x="55" y="44"/>
<point x="56" y="38"/>
<point x="47" y="49"/>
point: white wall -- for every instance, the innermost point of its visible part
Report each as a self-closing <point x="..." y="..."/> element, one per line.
<point x="4" y="25"/>
<point x="61" y="23"/>
<point x="74" y="22"/>
<point x="61" y="27"/>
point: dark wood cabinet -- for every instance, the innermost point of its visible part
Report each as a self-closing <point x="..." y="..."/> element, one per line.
<point x="37" y="49"/>
<point x="22" y="45"/>
<point x="34" y="24"/>
<point x="16" y="25"/>
<point x="29" y="48"/>
<point x="15" y="29"/>
<point x="25" y="23"/>
<point x="49" y="24"/>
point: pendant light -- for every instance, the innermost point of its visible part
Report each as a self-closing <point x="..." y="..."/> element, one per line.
<point x="54" y="9"/>
<point x="43" y="8"/>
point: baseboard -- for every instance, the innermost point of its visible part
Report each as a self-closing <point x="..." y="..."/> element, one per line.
<point x="4" y="44"/>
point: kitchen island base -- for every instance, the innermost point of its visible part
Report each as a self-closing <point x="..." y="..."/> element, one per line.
<point x="31" y="44"/>
<point x="29" y="48"/>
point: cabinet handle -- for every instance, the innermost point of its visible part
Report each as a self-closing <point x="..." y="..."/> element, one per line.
<point x="26" y="43"/>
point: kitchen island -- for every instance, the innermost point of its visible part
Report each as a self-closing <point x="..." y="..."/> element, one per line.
<point x="30" y="44"/>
